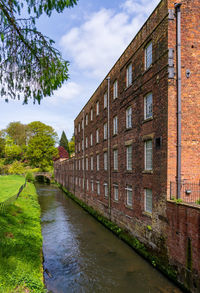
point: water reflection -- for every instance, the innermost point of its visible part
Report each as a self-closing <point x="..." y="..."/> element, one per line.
<point x="80" y="255"/>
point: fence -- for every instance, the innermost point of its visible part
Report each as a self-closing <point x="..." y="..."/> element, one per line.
<point x="190" y="192"/>
<point x="11" y="199"/>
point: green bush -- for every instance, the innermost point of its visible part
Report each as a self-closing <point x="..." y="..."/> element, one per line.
<point x="30" y="177"/>
<point x="16" y="168"/>
<point x="198" y="201"/>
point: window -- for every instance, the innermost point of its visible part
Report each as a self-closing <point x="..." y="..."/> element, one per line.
<point x="129" y="157"/>
<point x="105" y="100"/>
<point x="76" y="180"/>
<point x="79" y="146"/>
<point x="76" y="166"/>
<point x="83" y="184"/>
<point x="86" y="142"/>
<point x="83" y="164"/>
<point x="92" y="186"/>
<point x="129" y="117"/>
<point x="82" y="124"/>
<point x="86" y="119"/>
<point x="148" y="155"/>
<point x="79" y="182"/>
<point x="87" y="185"/>
<point x="129" y="196"/>
<point x="106" y="189"/>
<point x="91" y="163"/>
<point x="91" y="139"/>
<point x="115" y="90"/>
<point x="148" y="55"/>
<point x="129" y="75"/>
<point x="97" y="162"/>
<point x="91" y="114"/>
<point x="116" y="192"/>
<point x="98" y="188"/>
<point x="97" y="136"/>
<point x="79" y="127"/>
<point x="75" y="131"/>
<point x="115" y="159"/>
<point x="115" y="125"/>
<point x="105" y="156"/>
<point x="82" y="144"/>
<point x="86" y="164"/>
<point x="148" y="200"/>
<point x="97" y="108"/>
<point x="148" y="107"/>
<point x="105" y="131"/>
<point x="79" y="164"/>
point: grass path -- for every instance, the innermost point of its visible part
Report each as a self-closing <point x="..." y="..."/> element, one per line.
<point x="20" y="241"/>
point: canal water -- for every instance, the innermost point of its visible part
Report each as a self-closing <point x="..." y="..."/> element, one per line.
<point x="81" y="255"/>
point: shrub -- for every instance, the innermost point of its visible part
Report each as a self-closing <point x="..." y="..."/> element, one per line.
<point x="30" y="177"/>
<point x="198" y="201"/>
<point x="16" y="168"/>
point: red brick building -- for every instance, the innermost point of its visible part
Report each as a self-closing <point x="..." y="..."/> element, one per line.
<point x="127" y="147"/>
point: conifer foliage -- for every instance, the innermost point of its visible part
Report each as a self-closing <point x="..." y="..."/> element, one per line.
<point x="64" y="142"/>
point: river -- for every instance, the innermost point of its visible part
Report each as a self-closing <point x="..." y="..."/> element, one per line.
<point x="81" y="255"/>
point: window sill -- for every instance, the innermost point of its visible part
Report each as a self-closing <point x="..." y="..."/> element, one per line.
<point x="127" y="87"/>
<point x="115" y="134"/>
<point x="147" y="172"/>
<point x="129" y="207"/>
<point x="127" y="129"/>
<point x="147" y="214"/>
<point x="115" y="171"/>
<point x="116" y="201"/>
<point x="147" y="120"/>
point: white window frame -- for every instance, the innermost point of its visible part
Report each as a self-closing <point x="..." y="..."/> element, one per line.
<point x="79" y="182"/>
<point x="106" y="189"/>
<point x="91" y="114"/>
<point x="82" y="123"/>
<point x="86" y="119"/>
<point x="148" y="106"/>
<point x="148" y="149"/>
<point x="116" y="192"/>
<point x="97" y="136"/>
<point x="105" y="130"/>
<point x="105" y="100"/>
<point x="129" y="157"/>
<point x="129" y="72"/>
<point x="98" y="160"/>
<point x="148" y="55"/>
<point x="148" y="200"/>
<point x="115" y="125"/>
<point x="82" y="144"/>
<point x="105" y="160"/>
<point x="86" y="142"/>
<point x="92" y="186"/>
<point x="129" y="117"/>
<point x="79" y="127"/>
<point x="115" y="159"/>
<point x="91" y="163"/>
<point x="83" y="183"/>
<point x="86" y="163"/>
<point x="87" y="184"/>
<point x="129" y="193"/>
<point x="98" y="188"/>
<point x="97" y="108"/>
<point x="91" y="139"/>
<point x="83" y="164"/>
<point x="115" y="90"/>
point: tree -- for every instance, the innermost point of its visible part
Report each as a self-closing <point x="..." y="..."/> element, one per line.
<point x="72" y="145"/>
<point x="12" y="151"/>
<point x="64" y="142"/>
<point x="41" y="145"/>
<point x="29" y="64"/>
<point x="17" y="131"/>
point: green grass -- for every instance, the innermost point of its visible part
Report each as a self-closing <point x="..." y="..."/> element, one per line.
<point x="9" y="186"/>
<point x="21" y="241"/>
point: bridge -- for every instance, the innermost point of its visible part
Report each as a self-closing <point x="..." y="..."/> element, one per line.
<point x="44" y="174"/>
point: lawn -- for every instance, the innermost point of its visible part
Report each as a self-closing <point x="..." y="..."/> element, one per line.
<point x="20" y="240"/>
<point x="9" y="186"/>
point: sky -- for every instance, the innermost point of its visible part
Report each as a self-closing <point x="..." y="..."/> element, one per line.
<point x="91" y="36"/>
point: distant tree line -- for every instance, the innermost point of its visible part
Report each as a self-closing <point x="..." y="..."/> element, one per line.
<point x="30" y="146"/>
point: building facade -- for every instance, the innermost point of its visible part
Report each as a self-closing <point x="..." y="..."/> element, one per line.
<point x="128" y="149"/>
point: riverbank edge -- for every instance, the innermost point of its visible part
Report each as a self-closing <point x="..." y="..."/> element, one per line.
<point x="32" y="194"/>
<point x="158" y="262"/>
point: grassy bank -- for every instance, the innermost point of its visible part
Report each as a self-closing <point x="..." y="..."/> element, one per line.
<point x="20" y="239"/>
<point x="9" y="186"/>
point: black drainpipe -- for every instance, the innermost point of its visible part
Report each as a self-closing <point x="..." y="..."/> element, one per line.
<point x="178" y="45"/>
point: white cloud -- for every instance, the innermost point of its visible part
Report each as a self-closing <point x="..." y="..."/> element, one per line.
<point x="95" y="45"/>
<point x="68" y="91"/>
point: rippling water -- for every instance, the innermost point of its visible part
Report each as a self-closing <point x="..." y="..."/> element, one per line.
<point x="80" y="255"/>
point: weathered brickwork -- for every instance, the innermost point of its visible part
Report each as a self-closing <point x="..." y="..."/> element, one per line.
<point x="154" y="133"/>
